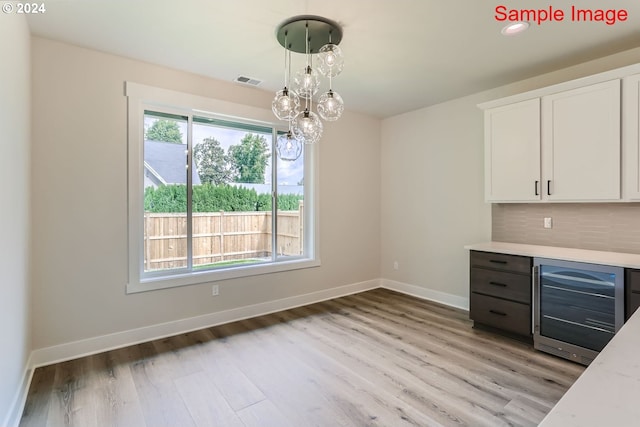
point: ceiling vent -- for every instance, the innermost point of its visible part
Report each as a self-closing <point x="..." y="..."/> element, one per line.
<point x="250" y="81"/>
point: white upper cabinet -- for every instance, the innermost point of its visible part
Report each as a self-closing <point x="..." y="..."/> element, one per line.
<point x="581" y="143"/>
<point x="560" y="146"/>
<point x="631" y="136"/>
<point x="512" y="152"/>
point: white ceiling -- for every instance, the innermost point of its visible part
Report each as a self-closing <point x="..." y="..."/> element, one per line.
<point x="400" y="55"/>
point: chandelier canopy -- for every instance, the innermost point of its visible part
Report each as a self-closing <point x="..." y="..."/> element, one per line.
<point x="317" y="38"/>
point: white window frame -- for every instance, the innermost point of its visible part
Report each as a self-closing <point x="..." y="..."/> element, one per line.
<point x="142" y="97"/>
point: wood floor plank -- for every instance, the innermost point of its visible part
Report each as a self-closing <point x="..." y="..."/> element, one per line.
<point x="72" y="396"/>
<point x="263" y="414"/>
<point x="409" y="365"/>
<point x="116" y="397"/>
<point x="220" y="362"/>
<point x="293" y="386"/>
<point x="524" y="411"/>
<point x="389" y="371"/>
<point x="36" y="407"/>
<point x="499" y="359"/>
<point x="382" y="407"/>
<point x="205" y="403"/>
<point x="378" y="358"/>
<point x="153" y="375"/>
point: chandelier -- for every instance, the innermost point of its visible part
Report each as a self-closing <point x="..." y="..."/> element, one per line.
<point x="317" y="38"/>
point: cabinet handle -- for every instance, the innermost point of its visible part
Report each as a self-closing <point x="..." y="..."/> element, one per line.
<point x="633" y="291"/>
<point x="534" y="299"/>
<point x="497" y="261"/>
<point x="499" y="313"/>
<point x="536" y="188"/>
<point x="498" y="284"/>
<point x="548" y="187"/>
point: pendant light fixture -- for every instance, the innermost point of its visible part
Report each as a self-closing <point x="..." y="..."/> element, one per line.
<point x="288" y="147"/>
<point x="309" y="35"/>
<point x="330" y="104"/>
<point x="286" y="106"/>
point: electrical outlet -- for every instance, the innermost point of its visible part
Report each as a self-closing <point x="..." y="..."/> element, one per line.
<point x="548" y="223"/>
<point x="215" y="290"/>
<point x="395" y="265"/>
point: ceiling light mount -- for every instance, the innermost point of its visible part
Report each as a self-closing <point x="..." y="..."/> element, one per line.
<point x="291" y="33"/>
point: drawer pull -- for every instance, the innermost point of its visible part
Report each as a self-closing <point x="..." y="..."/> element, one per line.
<point x="633" y="291"/>
<point x="499" y="313"/>
<point x="497" y="261"/>
<point x="498" y="284"/>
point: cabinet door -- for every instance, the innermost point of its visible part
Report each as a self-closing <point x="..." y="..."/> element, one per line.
<point x="632" y="292"/>
<point x="512" y="152"/>
<point x="631" y="136"/>
<point x="581" y="143"/>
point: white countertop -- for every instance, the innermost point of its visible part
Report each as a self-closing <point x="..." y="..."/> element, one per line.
<point x="617" y="259"/>
<point x="608" y="391"/>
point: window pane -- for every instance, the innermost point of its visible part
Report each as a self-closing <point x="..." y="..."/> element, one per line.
<point x="200" y="210"/>
<point x="165" y="194"/>
<point x="232" y="200"/>
<point x="289" y="239"/>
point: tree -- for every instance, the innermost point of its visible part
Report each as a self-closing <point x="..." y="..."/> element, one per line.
<point x="211" y="162"/>
<point x="164" y="130"/>
<point x="249" y="159"/>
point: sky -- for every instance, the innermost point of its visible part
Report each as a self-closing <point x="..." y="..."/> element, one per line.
<point x="289" y="173"/>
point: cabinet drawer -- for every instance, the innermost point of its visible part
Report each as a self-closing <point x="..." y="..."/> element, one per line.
<point x="512" y="263"/>
<point x="501" y="284"/>
<point x="507" y="315"/>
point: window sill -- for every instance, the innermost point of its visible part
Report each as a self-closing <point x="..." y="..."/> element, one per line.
<point x="194" y="278"/>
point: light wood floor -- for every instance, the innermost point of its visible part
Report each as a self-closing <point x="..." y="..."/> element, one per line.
<point x="378" y="358"/>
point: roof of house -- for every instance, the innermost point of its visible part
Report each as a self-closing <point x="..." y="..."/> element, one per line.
<point x="163" y="160"/>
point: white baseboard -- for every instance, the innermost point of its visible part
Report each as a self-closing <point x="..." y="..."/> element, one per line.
<point x="428" y="294"/>
<point x="72" y="350"/>
<point x="17" y="406"/>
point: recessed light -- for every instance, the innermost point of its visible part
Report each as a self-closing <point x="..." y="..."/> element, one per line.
<point x="514" y="28"/>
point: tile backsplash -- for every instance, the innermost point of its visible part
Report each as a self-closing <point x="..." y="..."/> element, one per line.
<point x="599" y="226"/>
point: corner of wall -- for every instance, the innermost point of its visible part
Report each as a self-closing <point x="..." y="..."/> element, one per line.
<point x="15" y="151"/>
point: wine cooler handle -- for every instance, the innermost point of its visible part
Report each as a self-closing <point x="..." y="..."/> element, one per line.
<point x="534" y="297"/>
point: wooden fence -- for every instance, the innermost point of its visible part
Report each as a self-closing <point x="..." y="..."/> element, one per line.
<point x="219" y="236"/>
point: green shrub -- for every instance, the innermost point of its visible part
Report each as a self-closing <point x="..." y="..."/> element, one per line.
<point x="213" y="198"/>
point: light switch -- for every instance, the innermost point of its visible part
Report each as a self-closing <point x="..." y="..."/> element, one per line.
<point x="548" y="223"/>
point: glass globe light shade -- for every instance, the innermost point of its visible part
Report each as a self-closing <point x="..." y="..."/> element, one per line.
<point x="307" y="127"/>
<point x="331" y="60"/>
<point x="289" y="148"/>
<point x="330" y="106"/>
<point x="306" y="82"/>
<point x="286" y="104"/>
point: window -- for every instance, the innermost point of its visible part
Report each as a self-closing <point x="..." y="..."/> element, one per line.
<point x="209" y="199"/>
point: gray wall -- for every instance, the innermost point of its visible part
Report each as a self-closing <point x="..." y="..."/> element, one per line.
<point x="432" y="198"/>
<point x="15" y="99"/>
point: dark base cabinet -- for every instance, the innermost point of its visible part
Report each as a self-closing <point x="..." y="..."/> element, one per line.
<point x="500" y="297"/>
<point x="632" y="292"/>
